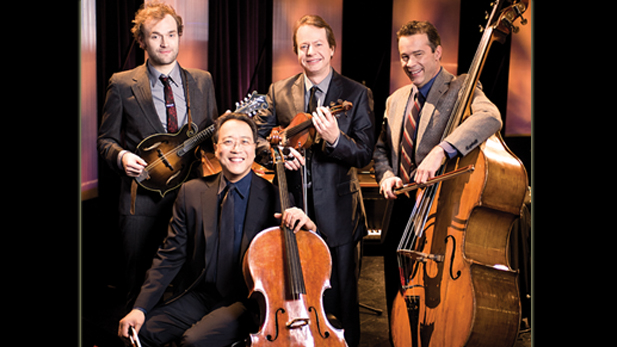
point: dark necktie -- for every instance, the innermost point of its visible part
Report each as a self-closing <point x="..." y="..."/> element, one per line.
<point x="312" y="104"/>
<point x="407" y="142"/>
<point x="226" y="262"/>
<point x="170" y="106"/>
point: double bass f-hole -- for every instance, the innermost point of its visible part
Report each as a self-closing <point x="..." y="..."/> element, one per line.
<point x="458" y="273"/>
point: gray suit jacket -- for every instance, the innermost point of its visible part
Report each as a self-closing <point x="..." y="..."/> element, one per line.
<point x="484" y="122"/>
<point x="339" y="209"/>
<point x="129" y="117"/>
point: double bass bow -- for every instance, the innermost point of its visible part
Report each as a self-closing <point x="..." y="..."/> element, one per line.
<point x="457" y="288"/>
<point x="288" y="273"/>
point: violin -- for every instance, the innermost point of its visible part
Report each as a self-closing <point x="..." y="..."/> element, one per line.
<point x="288" y="273"/>
<point x="457" y="288"/>
<point x="300" y="133"/>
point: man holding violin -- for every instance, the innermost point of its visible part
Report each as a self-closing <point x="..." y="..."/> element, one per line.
<point x="333" y="196"/>
<point x="214" y="220"/>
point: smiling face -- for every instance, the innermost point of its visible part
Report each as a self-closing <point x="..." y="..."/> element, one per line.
<point x="314" y="52"/>
<point x="161" y="41"/>
<point x="235" y="149"/>
<point x="418" y="60"/>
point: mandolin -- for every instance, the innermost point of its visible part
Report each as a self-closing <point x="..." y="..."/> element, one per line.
<point x="170" y="157"/>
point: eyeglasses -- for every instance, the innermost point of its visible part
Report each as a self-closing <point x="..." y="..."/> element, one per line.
<point x="232" y="143"/>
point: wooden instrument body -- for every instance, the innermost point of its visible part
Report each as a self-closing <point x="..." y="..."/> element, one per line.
<point x="287" y="273"/>
<point x="174" y="163"/>
<point x="170" y="157"/>
<point x="267" y="282"/>
<point x="470" y="297"/>
<point x="457" y="286"/>
<point x="302" y="137"/>
<point x="300" y="132"/>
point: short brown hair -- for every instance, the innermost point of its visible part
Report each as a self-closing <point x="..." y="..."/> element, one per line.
<point x="237" y="116"/>
<point x="316" y="21"/>
<point x="421" y="27"/>
<point x="153" y="10"/>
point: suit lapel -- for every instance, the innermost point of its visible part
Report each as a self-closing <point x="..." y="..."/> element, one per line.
<point x="334" y="90"/>
<point x="397" y="118"/>
<point x="209" y="212"/>
<point x="297" y="92"/>
<point x="429" y="110"/>
<point x="194" y="107"/>
<point x="255" y="210"/>
<point x="143" y="95"/>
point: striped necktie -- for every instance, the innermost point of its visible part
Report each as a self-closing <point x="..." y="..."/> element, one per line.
<point x="407" y="142"/>
<point x="170" y="106"/>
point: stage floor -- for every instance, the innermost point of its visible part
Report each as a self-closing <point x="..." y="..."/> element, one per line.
<point x="102" y="309"/>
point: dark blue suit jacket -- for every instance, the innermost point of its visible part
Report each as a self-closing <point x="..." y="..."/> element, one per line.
<point x="189" y="251"/>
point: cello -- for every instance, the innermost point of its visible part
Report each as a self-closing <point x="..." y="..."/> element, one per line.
<point x="288" y="273"/>
<point x="457" y="288"/>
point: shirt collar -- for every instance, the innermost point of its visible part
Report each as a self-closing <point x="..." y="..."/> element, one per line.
<point x="154" y="74"/>
<point x="243" y="186"/>
<point x="427" y="87"/>
<point x="323" y="85"/>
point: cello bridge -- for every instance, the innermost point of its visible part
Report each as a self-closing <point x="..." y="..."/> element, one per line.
<point x="298" y="323"/>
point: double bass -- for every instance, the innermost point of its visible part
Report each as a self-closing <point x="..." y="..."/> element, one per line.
<point x="457" y="288"/>
<point x="288" y="273"/>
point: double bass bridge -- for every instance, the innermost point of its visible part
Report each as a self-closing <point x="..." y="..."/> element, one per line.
<point x="421" y="256"/>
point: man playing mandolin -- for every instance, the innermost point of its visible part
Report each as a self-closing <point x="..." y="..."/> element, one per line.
<point x="151" y="99"/>
<point x="409" y="147"/>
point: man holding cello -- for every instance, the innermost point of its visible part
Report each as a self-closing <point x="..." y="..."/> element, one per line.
<point x="409" y="148"/>
<point x="214" y="220"/>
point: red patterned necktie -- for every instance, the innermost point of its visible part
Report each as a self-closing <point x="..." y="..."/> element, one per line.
<point x="170" y="106"/>
<point x="407" y="142"/>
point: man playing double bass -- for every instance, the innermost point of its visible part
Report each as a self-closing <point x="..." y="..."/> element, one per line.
<point x="409" y="147"/>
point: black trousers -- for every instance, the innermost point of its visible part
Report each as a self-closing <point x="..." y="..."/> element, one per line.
<point x="141" y="238"/>
<point x="401" y="210"/>
<point x="342" y="299"/>
<point x="197" y="319"/>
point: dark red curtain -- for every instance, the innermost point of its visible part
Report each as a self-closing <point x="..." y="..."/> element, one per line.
<point x="240" y="49"/>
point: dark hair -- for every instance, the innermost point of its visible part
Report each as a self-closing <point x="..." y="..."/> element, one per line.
<point x="316" y="21"/>
<point x="421" y="27"/>
<point x="238" y="116"/>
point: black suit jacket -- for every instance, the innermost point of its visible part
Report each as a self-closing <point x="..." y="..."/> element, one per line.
<point x="129" y="117"/>
<point x="190" y="247"/>
<point x="339" y="209"/>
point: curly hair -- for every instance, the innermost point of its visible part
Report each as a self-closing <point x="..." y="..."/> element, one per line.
<point x="153" y="10"/>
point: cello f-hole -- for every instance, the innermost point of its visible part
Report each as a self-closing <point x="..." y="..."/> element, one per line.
<point x="458" y="273"/>
<point x="326" y="334"/>
<point x="276" y="323"/>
